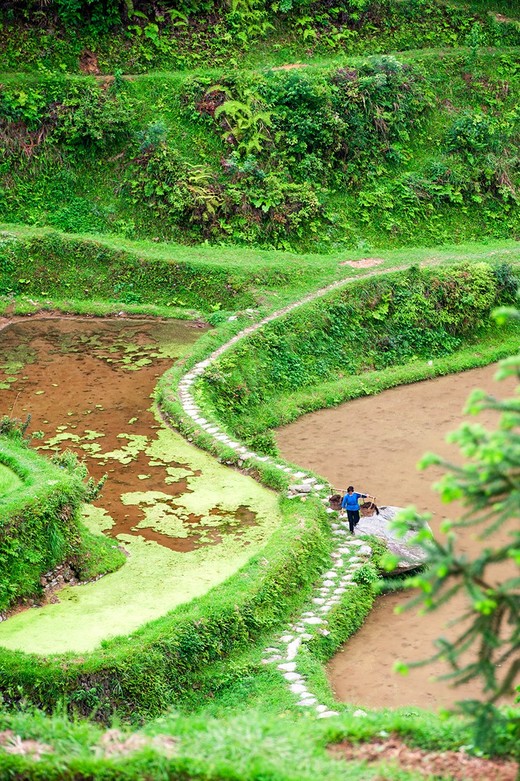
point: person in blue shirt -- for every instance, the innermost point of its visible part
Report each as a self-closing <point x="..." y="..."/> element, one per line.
<point x="350" y="503"/>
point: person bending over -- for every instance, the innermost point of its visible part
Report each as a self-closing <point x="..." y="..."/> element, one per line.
<point x="350" y="503"/>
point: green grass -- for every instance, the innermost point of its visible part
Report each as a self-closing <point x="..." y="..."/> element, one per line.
<point x="274" y="278"/>
<point x="9" y="480"/>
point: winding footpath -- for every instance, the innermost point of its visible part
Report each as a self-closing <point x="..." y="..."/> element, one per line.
<point x="348" y="554"/>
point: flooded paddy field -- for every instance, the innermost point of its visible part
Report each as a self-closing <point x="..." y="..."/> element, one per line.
<point x="185" y="521"/>
<point x="375" y="443"/>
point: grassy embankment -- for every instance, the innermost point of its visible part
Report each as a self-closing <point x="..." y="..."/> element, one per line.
<point x="40" y="525"/>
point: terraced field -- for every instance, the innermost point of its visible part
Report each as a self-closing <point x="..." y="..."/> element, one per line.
<point x="215" y="219"/>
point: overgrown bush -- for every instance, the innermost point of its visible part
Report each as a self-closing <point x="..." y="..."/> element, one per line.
<point x="76" y="116"/>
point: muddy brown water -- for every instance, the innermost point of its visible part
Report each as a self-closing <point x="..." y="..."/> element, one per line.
<point x="375" y="444"/>
<point x="84" y="382"/>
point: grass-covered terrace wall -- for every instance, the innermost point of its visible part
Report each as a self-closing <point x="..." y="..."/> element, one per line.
<point x="39" y="523"/>
<point x="356" y="340"/>
<point x="50" y="266"/>
<point x="140" y="675"/>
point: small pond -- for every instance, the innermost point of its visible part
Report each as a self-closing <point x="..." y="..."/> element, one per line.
<point x="186" y="522"/>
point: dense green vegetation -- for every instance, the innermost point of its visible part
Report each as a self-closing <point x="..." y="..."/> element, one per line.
<point x="188" y="33"/>
<point x="362" y="149"/>
<point x="220" y="161"/>
<point x="39" y="524"/>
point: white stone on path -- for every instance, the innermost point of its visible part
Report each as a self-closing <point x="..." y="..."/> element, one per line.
<point x="312" y="620"/>
<point x="298" y="688"/>
<point x="292" y="648"/>
<point x="307" y="702"/>
<point x="327" y="714"/>
<point x="292" y="676"/>
<point x="289" y="667"/>
<point x="286" y="638"/>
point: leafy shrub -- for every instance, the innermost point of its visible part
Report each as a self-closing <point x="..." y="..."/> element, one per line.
<point x="366" y="574"/>
<point x="178" y="192"/>
<point x="156" y="134"/>
<point x="93" y="118"/>
<point x="473" y="133"/>
<point x="75" y="115"/>
<point x="14" y="428"/>
<point x="263" y="442"/>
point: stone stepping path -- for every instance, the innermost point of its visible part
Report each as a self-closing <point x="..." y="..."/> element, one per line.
<point x="348" y="554"/>
<point x="346" y="558"/>
<point x="196" y="414"/>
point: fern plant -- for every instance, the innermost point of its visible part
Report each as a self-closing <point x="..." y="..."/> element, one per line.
<point x="246" y="124"/>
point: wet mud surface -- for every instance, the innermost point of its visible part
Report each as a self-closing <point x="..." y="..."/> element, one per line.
<point x="375" y="444"/>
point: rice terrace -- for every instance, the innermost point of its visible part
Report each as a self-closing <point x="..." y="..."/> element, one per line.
<point x="259" y="364"/>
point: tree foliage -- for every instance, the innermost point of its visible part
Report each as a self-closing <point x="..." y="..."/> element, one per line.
<point x="487" y="485"/>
